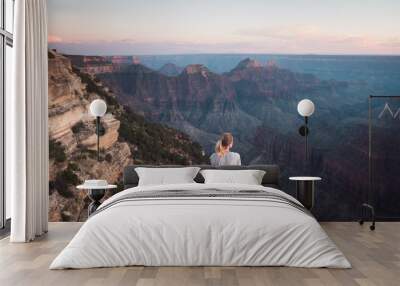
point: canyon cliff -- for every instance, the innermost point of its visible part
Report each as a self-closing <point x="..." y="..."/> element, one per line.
<point x="125" y="138"/>
<point x="203" y="103"/>
<point x="257" y="103"/>
<point x="255" y="100"/>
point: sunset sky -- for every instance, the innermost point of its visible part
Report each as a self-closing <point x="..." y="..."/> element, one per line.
<point x="129" y="27"/>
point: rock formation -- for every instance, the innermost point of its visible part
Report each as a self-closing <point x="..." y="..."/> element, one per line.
<point x="125" y="138"/>
<point x="170" y="70"/>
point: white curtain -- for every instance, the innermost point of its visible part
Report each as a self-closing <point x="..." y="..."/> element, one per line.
<point x="27" y="123"/>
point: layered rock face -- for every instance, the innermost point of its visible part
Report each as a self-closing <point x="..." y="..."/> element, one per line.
<point x="71" y="125"/>
<point x="205" y="104"/>
<point x="197" y="101"/>
<point x="257" y="102"/>
<point x="170" y="70"/>
<point x="125" y="137"/>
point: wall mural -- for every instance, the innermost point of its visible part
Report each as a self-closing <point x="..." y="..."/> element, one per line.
<point x="176" y="75"/>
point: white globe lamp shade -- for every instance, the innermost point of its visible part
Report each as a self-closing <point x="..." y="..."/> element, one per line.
<point x="305" y="107"/>
<point x="98" y="108"/>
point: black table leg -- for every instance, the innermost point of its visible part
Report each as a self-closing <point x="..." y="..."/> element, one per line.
<point x="95" y="195"/>
<point x="372" y="210"/>
<point x="305" y="193"/>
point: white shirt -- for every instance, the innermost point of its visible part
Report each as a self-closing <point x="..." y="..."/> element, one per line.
<point x="229" y="159"/>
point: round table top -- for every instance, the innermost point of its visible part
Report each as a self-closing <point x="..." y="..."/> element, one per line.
<point x="305" y="179"/>
<point x="87" y="187"/>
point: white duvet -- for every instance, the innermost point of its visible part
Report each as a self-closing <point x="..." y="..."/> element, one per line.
<point x="194" y="231"/>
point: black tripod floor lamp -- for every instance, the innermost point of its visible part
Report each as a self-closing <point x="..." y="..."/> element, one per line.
<point x="98" y="108"/>
<point x="369" y="203"/>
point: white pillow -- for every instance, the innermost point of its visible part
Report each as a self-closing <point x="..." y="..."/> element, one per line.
<point x="165" y="176"/>
<point x="248" y="177"/>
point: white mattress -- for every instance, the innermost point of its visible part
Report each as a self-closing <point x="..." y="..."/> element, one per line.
<point x="200" y="231"/>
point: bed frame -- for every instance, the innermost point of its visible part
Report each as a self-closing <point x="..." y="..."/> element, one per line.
<point x="271" y="177"/>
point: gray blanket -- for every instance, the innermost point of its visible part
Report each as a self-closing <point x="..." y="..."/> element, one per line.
<point x="204" y="194"/>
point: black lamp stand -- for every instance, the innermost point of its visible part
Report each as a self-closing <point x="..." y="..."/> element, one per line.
<point x="304" y="131"/>
<point x="96" y="194"/>
<point x="368" y="205"/>
<point x="306" y="136"/>
<point x="98" y="137"/>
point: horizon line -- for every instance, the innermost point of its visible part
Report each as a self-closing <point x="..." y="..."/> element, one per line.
<point x="232" y="54"/>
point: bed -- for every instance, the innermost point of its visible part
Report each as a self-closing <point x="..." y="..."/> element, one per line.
<point x="201" y="224"/>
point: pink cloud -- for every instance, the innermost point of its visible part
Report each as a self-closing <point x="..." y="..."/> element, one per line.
<point x="310" y="39"/>
<point x="54" y="39"/>
<point x="293" y="40"/>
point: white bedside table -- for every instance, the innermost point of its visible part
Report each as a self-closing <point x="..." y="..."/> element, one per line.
<point x="305" y="188"/>
<point x="95" y="194"/>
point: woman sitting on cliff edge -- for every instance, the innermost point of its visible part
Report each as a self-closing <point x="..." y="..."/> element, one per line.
<point x="223" y="156"/>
